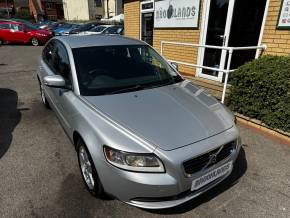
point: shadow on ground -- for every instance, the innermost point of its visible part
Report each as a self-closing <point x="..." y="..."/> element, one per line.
<point x="9" y="118"/>
<point x="75" y="201"/>
<point x="239" y="170"/>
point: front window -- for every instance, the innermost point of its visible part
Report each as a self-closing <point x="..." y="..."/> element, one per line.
<point x="115" y="69"/>
<point x="16" y="27"/>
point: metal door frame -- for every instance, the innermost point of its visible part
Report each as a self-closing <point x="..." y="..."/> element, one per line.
<point x="144" y="12"/>
<point x="203" y="35"/>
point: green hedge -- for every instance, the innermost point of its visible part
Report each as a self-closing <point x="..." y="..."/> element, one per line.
<point x="261" y="90"/>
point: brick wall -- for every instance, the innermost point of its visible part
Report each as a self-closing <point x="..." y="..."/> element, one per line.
<point x="277" y="41"/>
<point x="132" y="18"/>
<point x="178" y="52"/>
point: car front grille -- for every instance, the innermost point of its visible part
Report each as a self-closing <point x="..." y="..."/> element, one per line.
<point x="203" y="161"/>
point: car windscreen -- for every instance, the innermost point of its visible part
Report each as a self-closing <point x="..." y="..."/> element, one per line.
<point x="105" y="70"/>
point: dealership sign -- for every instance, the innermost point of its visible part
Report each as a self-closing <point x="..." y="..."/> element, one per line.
<point x="284" y="17"/>
<point x="176" y="13"/>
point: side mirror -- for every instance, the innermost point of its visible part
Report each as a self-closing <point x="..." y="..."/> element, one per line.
<point x="174" y="65"/>
<point x="55" y="81"/>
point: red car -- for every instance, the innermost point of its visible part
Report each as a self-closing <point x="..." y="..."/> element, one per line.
<point x="18" y="32"/>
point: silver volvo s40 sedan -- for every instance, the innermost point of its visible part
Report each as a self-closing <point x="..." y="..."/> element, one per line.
<point x="142" y="132"/>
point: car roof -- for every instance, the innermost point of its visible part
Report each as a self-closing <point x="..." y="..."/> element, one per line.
<point x="10" y="21"/>
<point x="77" y="41"/>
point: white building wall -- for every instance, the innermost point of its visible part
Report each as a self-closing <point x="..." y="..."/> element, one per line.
<point x="87" y="10"/>
<point x="93" y="10"/>
<point x="115" y="8"/>
<point x="76" y="9"/>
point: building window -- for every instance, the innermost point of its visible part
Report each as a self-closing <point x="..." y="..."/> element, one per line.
<point x="48" y="5"/>
<point x="51" y="17"/>
<point x="98" y="3"/>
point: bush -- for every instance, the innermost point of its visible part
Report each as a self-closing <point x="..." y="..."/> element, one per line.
<point x="261" y="90"/>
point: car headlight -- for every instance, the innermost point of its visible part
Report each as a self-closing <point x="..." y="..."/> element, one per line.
<point x="134" y="162"/>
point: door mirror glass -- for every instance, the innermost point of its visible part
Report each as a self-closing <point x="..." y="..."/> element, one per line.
<point x="174" y="65"/>
<point x="55" y="81"/>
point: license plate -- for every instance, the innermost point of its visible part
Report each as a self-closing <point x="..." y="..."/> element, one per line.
<point x="211" y="176"/>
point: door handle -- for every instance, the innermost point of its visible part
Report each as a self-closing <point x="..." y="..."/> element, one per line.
<point x="223" y="37"/>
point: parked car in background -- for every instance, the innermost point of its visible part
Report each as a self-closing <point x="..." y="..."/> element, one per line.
<point x="116" y="29"/>
<point x="54" y="25"/>
<point x="64" y="29"/>
<point x="44" y="24"/>
<point x="17" y="32"/>
<point x="96" y="30"/>
<point x="104" y="29"/>
<point x="83" y="28"/>
<point x="142" y="133"/>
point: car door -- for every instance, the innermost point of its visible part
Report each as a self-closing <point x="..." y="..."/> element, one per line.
<point x="56" y="62"/>
<point x="5" y="32"/>
<point x="18" y="34"/>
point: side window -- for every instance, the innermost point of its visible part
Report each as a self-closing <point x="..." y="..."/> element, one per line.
<point x="5" y="26"/>
<point x="47" y="53"/>
<point x="16" y="27"/>
<point x="60" y="61"/>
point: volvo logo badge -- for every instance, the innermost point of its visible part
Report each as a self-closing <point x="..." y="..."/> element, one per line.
<point x="212" y="158"/>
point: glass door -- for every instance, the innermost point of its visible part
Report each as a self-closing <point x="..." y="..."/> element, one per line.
<point x="234" y="23"/>
<point x="147" y="21"/>
<point x="216" y="32"/>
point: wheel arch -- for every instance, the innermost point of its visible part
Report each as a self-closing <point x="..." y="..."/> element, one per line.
<point x="91" y="141"/>
<point x="76" y="137"/>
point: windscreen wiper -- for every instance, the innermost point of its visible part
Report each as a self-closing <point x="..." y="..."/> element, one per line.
<point x="130" y="88"/>
<point x="170" y="81"/>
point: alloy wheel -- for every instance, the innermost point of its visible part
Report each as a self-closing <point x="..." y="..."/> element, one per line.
<point x="86" y="168"/>
<point x="42" y="94"/>
<point x="34" y="41"/>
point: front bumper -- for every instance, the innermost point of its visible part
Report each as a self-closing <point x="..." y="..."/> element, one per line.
<point x="169" y="189"/>
<point x="180" y="198"/>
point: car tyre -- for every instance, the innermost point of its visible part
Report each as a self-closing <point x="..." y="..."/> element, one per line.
<point x="34" y="41"/>
<point x="42" y="95"/>
<point x="1" y="42"/>
<point x="89" y="172"/>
